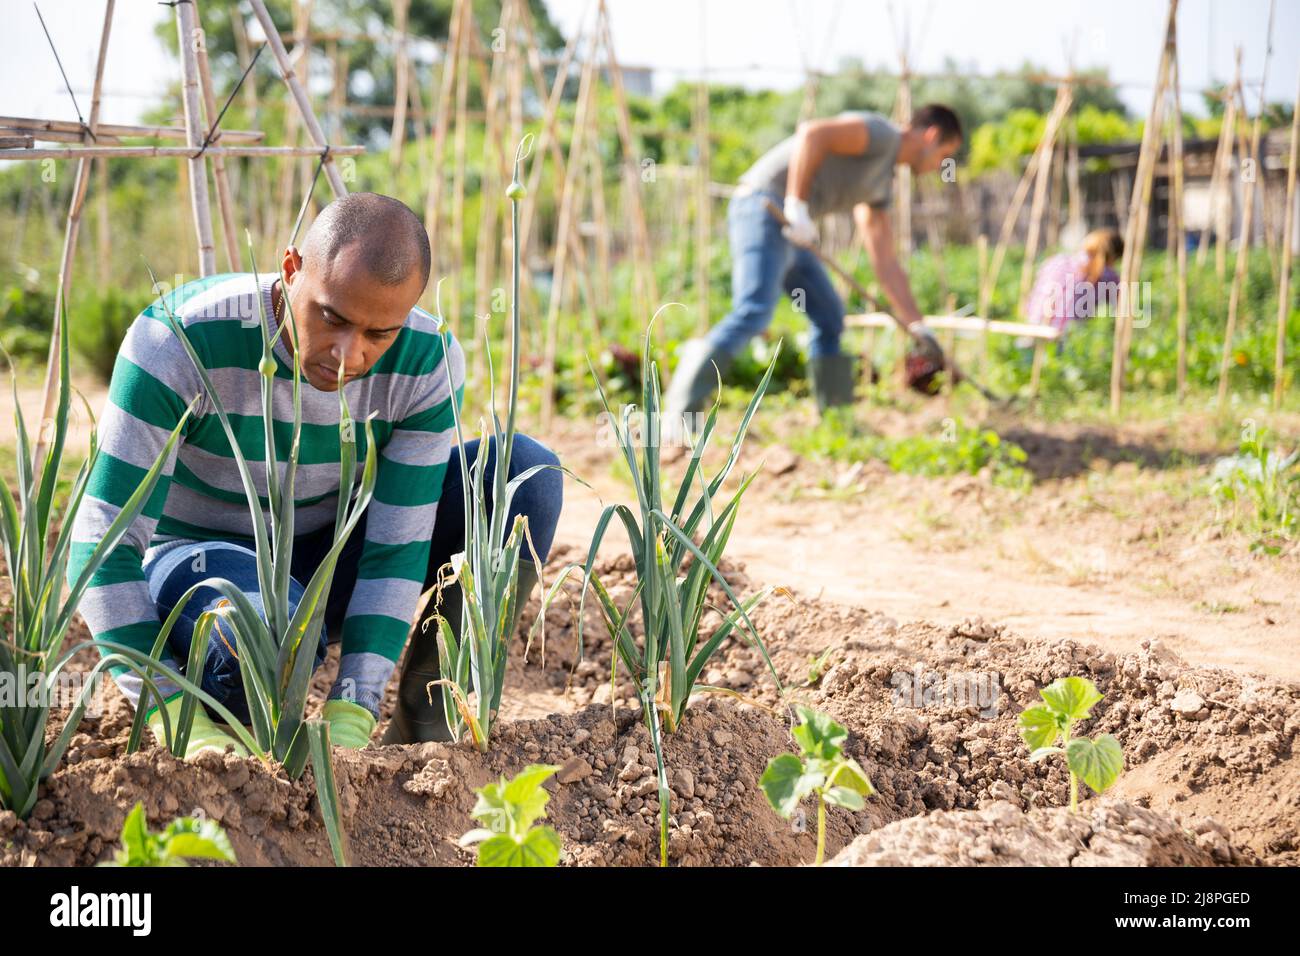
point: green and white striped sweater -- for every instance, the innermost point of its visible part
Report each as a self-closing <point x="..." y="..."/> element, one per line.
<point x="200" y="496"/>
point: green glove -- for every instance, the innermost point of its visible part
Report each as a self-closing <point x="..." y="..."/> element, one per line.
<point x="204" y="734"/>
<point x="350" y="724"/>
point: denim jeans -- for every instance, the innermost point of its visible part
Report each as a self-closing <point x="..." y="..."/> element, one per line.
<point x="763" y="265"/>
<point x="174" y="567"/>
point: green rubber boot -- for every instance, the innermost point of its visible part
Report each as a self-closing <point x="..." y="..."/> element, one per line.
<point x="415" y="720"/>
<point x="832" y="380"/>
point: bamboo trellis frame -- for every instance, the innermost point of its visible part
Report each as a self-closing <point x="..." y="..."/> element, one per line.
<point x="196" y="95"/>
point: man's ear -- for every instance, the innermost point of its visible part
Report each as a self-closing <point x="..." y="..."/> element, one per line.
<point x="291" y="264"/>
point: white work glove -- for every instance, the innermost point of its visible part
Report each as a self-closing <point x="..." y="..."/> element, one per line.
<point x="799" y="229"/>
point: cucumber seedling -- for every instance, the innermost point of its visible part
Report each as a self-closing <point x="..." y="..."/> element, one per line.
<point x="185" y="838"/>
<point x="820" y="768"/>
<point x="1047" y="729"/>
<point x="508" y="809"/>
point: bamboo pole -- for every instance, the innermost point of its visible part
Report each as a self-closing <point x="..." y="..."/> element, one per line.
<point x="258" y="173"/>
<point x="1046" y="148"/>
<point x="1288" y="239"/>
<point x="1176" y="225"/>
<point x="702" y="178"/>
<point x="1212" y="218"/>
<point x="82" y="183"/>
<point x="446" y="81"/>
<point x="225" y="202"/>
<point x="548" y="140"/>
<point x="486" y="245"/>
<point x="71" y="131"/>
<point x="1054" y="120"/>
<point x="1140" y="201"/>
<point x="299" y="95"/>
<point x="903" y="112"/>
<point x="643" y="260"/>
<point x="459" y="123"/>
<point x="1247" y="222"/>
<point x="103" y="234"/>
<point x="600" y="216"/>
<point x="189" y="37"/>
<point x="567" y="193"/>
<point x="174" y="152"/>
<point x="401" y="8"/>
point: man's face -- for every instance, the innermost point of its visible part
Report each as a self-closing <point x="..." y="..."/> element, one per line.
<point x="346" y="318"/>
<point x="934" y="151"/>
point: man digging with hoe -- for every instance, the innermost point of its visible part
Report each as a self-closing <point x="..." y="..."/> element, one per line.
<point x="829" y="165"/>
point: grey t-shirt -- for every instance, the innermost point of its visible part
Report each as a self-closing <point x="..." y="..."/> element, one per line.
<point x="841" y="182"/>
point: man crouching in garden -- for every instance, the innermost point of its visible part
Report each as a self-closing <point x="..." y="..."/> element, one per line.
<point x="352" y="289"/>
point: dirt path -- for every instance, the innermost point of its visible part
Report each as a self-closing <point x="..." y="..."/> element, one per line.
<point x="1044" y="572"/>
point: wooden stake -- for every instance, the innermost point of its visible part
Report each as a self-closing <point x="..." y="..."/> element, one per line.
<point x="189" y="37"/>
<point x="82" y="183"/>
<point x="1054" y="120"/>
<point x="446" y="81"/>
<point x="1247" y="222"/>
<point x="1288" y="239"/>
<point x="643" y="260"/>
<point x="1176" y="225"/>
<point x="398" y="137"/>
<point x="567" y="195"/>
<point x="225" y="203"/>
<point x="299" y="95"/>
<point x="1140" y="202"/>
<point x="1046" y="147"/>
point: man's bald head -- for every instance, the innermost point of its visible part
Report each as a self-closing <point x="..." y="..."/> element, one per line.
<point x="390" y="239"/>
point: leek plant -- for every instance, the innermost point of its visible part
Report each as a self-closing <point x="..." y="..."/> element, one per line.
<point x="473" y="665"/>
<point x="276" y="653"/>
<point x="33" y="659"/>
<point x="667" y="663"/>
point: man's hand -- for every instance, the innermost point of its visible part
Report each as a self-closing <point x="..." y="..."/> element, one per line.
<point x="799" y="228"/>
<point x="350" y="724"/>
<point x="927" y="344"/>
<point x="204" y="734"/>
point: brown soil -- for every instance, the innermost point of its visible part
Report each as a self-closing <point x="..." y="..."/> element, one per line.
<point x="1220" y="767"/>
<point x="1112" y="834"/>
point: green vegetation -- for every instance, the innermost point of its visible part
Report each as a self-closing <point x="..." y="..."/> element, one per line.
<point x="487" y="572"/>
<point x="820" y="769"/>
<point x="508" y="809"/>
<point x="1046" y="728"/>
<point x="673" y="571"/>
<point x="184" y="839"/>
<point x="1261" y="488"/>
<point x="33" y="660"/>
<point x="956" y="448"/>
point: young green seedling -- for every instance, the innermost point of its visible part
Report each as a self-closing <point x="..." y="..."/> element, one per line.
<point x="508" y="808"/>
<point x="185" y="838"/>
<point x="1046" y="728"/>
<point x="821" y="768"/>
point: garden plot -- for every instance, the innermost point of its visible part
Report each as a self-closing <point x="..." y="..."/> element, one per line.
<point x="1210" y="773"/>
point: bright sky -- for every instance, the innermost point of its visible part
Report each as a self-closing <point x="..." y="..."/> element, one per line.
<point x="678" y="35"/>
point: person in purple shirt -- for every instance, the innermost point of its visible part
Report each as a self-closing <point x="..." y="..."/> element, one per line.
<point x="1075" y="286"/>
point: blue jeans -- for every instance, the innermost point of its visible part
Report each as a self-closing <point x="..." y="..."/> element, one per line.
<point x="173" y="568"/>
<point x="763" y="265"/>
